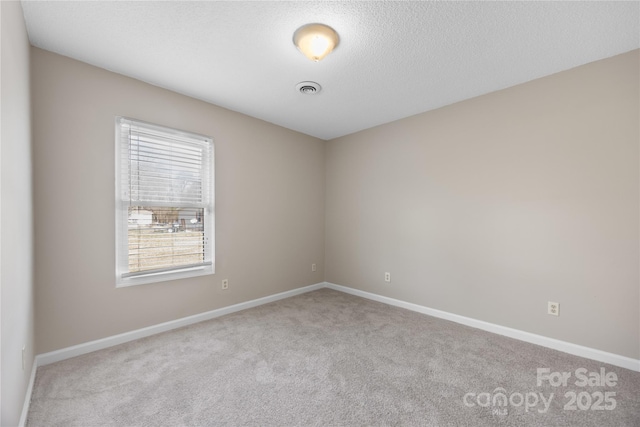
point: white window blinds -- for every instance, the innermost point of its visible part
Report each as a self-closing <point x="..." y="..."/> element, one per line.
<point x="162" y="169"/>
<point x="165" y="202"/>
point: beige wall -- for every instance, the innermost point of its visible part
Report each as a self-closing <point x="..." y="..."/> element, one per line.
<point x="269" y="205"/>
<point x="16" y="220"/>
<point x="493" y="206"/>
<point x="487" y="208"/>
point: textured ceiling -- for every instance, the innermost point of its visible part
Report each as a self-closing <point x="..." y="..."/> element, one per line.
<point x="395" y="59"/>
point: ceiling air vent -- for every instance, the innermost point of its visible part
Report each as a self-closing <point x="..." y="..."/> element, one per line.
<point x="308" y="88"/>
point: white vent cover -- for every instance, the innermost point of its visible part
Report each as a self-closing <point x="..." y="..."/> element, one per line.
<point x="308" y="88"/>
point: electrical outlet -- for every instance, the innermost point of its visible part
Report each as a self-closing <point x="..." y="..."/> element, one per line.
<point x="387" y="277"/>
<point x="313" y="267"/>
<point x="553" y="308"/>
<point x="225" y="284"/>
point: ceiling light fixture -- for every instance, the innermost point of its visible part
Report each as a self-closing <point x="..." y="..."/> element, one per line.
<point x="315" y="41"/>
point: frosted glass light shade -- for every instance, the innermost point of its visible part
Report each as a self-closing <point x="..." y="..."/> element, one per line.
<point x="315" y="41"/>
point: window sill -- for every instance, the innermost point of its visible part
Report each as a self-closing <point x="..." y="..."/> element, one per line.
<point x="164" y="276"/>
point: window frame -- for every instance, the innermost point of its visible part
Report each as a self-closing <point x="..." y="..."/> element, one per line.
<point x="123" y="279"/>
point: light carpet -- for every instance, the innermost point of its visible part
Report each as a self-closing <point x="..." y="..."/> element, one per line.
<point x="326" y="358"/>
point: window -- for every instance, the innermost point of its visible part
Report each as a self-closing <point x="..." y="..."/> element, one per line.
<point x="164" y="203"/>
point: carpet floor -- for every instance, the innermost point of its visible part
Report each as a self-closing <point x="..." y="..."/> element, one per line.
<point x="326" y="358"/>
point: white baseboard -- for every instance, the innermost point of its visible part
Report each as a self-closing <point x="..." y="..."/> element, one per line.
<point x="566" y="347"/>
<point x="80" y="349"/>
<point x="27" y="398"/>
